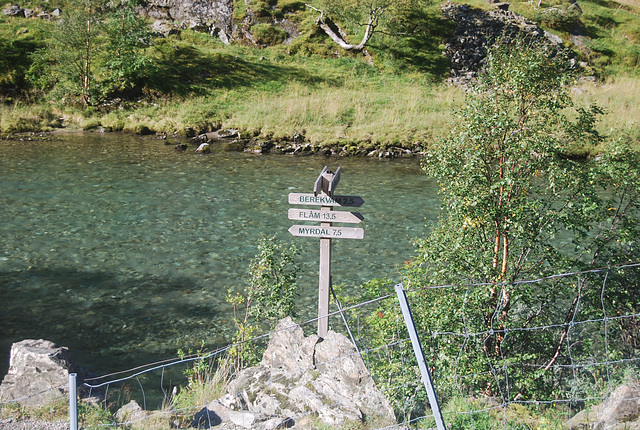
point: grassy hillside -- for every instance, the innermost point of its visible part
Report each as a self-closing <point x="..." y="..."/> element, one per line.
<point x="392" y="95"/>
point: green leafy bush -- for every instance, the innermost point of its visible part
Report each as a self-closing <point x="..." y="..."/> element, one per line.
<point x="560" y="17"/>
<point x="268" y="35"/>
<point x="269" y="297"/>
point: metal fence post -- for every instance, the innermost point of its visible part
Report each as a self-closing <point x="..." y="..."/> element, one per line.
<point x="73" y="402"/>
<point x="422" y="364"/>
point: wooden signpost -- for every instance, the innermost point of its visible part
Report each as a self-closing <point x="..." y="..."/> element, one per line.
<point x="323" y="196"/>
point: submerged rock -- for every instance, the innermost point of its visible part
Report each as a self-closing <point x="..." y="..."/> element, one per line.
<point x="204" y="148"/>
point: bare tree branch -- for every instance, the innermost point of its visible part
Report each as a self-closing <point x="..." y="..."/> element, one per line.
<point x="370" y="28"/>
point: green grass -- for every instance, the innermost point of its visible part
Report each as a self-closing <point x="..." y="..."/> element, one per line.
<point x="392" y="96"/>
<point x="18" y="38"/>
<point x="608" y="31"/>
<point x="461" y="413"/>
<point x="273" y="95"/>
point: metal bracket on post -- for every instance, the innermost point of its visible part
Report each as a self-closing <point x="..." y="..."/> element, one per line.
<point x="422" y="364"/>
<point x="327" y="182"/>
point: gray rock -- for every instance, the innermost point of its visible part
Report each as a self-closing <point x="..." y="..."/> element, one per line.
<point x="552" y="37"/>
<point x="162" y="28"/>
<point x="13" y="11"/>
<point x="204" y="148"/>
<point x="38" y="373"/>
<point x="477" y="29"/>
<point x="620" y="411"/>
<point x="243" y="418"/>
<point x="219" y="416"/>
<point x="212" y="415"/>
<point x="228" y="132"/>
<point x="131" y="412"/>
<point x="301" y="375"/>
<point x="31" y="424"/>
<point x="212" y="16"/>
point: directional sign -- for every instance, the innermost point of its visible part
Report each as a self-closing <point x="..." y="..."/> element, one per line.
<point x="325" y="216"/>
<point x="323" y="200"/>
<point x="327" y="232"/>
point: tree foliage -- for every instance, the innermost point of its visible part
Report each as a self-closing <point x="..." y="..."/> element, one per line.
<point x="124" y="63"/>
<point x="517" y="206"/>
<point x="269" y="296"/>
<point x="364" y="18"/>
<point x="96" y="50"/>
<point x="272" y="286"/>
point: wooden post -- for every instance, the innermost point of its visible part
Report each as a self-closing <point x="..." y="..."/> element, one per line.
<point x="324" y="185"/>
<point x="324" y="284"/>
<point x="323" y="196"/>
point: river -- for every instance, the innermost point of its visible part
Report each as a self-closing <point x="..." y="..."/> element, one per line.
<point x="122" y="248"/>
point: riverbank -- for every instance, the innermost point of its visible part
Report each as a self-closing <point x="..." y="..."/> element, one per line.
<point x="309" y="97"/>
<point x="380" y="114"/>
<point x="293" y="122"/>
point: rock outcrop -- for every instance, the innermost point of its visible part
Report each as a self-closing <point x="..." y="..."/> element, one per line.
<point x="476" y="30"/>
<point x="620" y="411"/>
<point x="38" y="373"/>
<point x="212" y="16"/>
<point x="300" y="379"/>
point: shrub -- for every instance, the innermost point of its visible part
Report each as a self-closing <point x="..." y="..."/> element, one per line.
<point x="268" y="35"/>
<point x="559" y="17"/>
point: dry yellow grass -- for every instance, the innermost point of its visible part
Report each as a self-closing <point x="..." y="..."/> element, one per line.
<point x="387" y="112"/>
<point x="632" y="3"/>
<point x="619" y="99"/>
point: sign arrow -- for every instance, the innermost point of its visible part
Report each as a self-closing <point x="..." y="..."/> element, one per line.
<point x="327" y="232"/>
<point x="324" y="200"/>
<point x="325" y="216"/>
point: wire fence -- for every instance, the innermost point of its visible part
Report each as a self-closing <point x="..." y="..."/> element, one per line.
<point x="571" y="339"/>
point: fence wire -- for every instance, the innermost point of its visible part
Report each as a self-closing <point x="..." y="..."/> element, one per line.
<point x="594" y="350"/>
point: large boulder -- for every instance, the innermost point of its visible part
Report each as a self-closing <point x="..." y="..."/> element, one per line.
<point x="300" y="377"/>
<point x="212" y="16"/>
<point x="620" y="411"/>
<point x="38" y="373"/>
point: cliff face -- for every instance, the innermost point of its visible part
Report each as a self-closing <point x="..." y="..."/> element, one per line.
<point x="212" y="16"/>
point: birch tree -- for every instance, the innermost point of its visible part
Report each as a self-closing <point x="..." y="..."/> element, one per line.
<point x="518" y="205"/>
<point x="366" y="17"/>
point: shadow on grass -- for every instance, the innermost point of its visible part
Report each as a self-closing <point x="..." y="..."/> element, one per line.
<point x="14" y="63"/>
<point x="421" y="47"/>
<point x="185" y="70"/>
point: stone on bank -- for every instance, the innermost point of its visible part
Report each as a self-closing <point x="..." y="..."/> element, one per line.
<point x="38" y="373"/>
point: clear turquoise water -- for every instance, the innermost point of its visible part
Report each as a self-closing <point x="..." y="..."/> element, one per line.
<point x="123" y="249"/>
